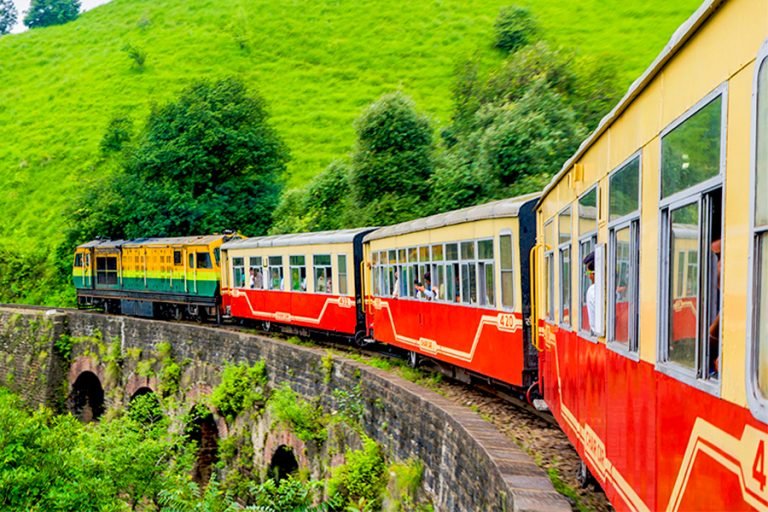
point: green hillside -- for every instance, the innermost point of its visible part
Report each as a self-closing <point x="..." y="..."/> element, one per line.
<point x="318" y="63"/>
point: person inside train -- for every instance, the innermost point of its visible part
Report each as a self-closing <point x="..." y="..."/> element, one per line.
<point x="396" y="285"/>
<point x="714" y="326"/>
<point x="252" y="279"/>
<point x="425" y="290"/>
<point x="258" y="279"/>
<point x="589" y="266"/>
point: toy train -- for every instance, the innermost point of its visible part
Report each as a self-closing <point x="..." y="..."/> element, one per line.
<point x="632" y="289"/>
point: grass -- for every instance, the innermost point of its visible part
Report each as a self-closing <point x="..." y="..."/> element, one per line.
<point x="318" y="63"/>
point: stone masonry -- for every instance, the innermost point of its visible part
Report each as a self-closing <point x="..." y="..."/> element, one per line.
<point x="468" y="465"/>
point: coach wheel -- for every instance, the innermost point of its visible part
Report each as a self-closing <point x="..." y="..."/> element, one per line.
<point x="266" y="325"/>
<point x="413" y="359"/>
<point x="584" y="477"/>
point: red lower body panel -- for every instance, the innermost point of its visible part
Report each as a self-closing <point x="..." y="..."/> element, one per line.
<point x="652" y="441"/>
<point x="317" y="311"/>
<point x="484" y="341"/>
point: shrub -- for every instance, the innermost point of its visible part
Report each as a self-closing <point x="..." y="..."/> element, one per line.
<point x="360" y="480"/>
<point x="137" y="54"/>
<point x="305" y="419"/>
<point x="242" y="387"/>
<point x="515" y="28"/>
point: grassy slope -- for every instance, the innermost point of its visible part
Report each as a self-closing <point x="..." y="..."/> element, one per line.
<point x="318" y="64"/>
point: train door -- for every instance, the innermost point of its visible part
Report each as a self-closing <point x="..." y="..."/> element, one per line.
<point x="87" y="270"/>
<point x="192" y="272"/>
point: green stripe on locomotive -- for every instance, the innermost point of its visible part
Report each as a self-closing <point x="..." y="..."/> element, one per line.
<point x="205" y="285"/>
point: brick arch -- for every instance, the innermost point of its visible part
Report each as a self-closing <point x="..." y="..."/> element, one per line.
<point x="283" y="438"/>
<point x="136" y="382"/>
<point x="196" y="395"/>
<point x="84" y="364"/>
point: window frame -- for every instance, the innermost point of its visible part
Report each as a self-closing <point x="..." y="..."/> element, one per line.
<point x="582" y="238"/>
<point x="298" y="266"/>
<point x="758" y="404"/>
<point x="561" y="247"/>
<point x="695" y="194"/>
<point x="327" y="273"/>
<point x="501" y="270"/>
<point x="632" y="221"/>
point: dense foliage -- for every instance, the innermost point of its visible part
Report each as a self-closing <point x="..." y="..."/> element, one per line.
<point x="44" y="13"/>
<point x="515" y="28"/>
<point x="8" y="16"/>
<point x="242" y="387"/>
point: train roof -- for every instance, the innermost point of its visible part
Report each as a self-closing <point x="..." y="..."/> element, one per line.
<point x="317" y="238"/>
<point x="138" y="242"/>
<point x="681" y="36"/>
<point x="494" y="210"/>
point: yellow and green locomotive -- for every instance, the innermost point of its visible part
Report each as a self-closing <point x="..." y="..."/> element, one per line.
<point x="151" y="277"/>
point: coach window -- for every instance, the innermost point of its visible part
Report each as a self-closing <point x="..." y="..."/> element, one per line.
<point x="275" y="272"/>
<point x="549" y="268"/>
<point x="564" y="256"/>
<point x="691" y="224"/>
<point x="468" y="273"/>
<point x="342" y="260"/>
<point x="78" y="259"/>
<point x="375" y="273"/>
<point x="453" y="292"/>
<point x="424" y="261"/>
<point x="587" y="242"/>
<point x="624" y="255"/>
<point x="177" y="258"/>
<point x="758" y="361"/>
<point x="298" y="269"/>
<point x="238" y="272"/>
<point x="321" y="264"/>
<point x="204" y="260"/>
<point x="438" y="272"/>
<point x="255" y="265"/>
<point x="507" y="271"/>
<point x="485" y="273"/>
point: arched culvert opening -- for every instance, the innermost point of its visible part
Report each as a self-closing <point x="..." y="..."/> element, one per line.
<point x="87" y="398"/>
<point x="145" y="407"/>
<point x="283" y="463"/>
<point x="202" y="430"/>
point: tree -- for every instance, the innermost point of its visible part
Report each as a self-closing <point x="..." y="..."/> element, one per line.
<point x="393" y="161"/>
<point x="515" y="28"/>
<point x="203" y="163"/>
<point x="8" y="16"/>
<point x="44" y="13"/>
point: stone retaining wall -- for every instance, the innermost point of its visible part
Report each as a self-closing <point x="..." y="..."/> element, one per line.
<point x="468" y="465"/>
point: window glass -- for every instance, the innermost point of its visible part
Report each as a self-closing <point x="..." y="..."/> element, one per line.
<point x="191" y="260"/>
<point x="550" y="270"/>
<point x="761" y="206"/>
<point x="468" y="283"/>
<point x="413" y="254"/>
<point x="322" y="268"/>
<point x="683" y="311"/>
<point x="177" y="258"/>
<point x="467" y="250"/>
<point x="588" y="212"/>
<point x="564" y="225"/>
<point x="79" y="259"/>
<point x="401" y="256"/>
<point x="437" y="253"/>
<point x="452" y="282"/>
<point x="623" y="286"/>
<point x="549" y="233"/>
<point x="762" y="316"/>
<point x="424" y="254"/>
<point x="486" y="283"/>
<point x="275" y="271"/>
<point x="690" y="153"/>
<point x="238" y="272"/>
<point x="565" y="285"/>
<point x="204" y="260"/>
<point x="392" y="257"/>
<point x="507" y="274"/>
<point x="217" y="255"/>
<point x="342" y="260"/>
<point x="438" y="282"/>
<point x="485" y="250"/>
<point x="298" y="271"/>
<point x="451" y="252"/>
<point x="624" y="191"/>
<point x="106" y="270"/>
<point x="256" y="273"/>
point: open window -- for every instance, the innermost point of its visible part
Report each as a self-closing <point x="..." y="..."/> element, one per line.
<point x="587" y="222"/>
<point x="691" y="241"/>
<point x="564" y="261"/>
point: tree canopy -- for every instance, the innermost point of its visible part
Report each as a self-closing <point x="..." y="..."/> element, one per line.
<point x="44" y="13"/>
<point x="8" y="16"/>
<point x="203" y="163"/>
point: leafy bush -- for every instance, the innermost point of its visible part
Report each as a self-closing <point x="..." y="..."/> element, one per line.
<point x="305" y="419"/>
<point x="360" y="480"/>
<point x="137" y="54"/>
<point x="44" y="13"/>
<point x="515" y="28"/>
<point x="118" y="133"/>
<point x="242" y="387"/>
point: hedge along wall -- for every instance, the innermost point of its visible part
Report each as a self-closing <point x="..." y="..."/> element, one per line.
<point x="468" y="464"/>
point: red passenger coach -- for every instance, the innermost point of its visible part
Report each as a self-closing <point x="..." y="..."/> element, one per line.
<point x="308" y="280"/>
<point x="657" y="228"/>
<point x="455" y="287"/>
